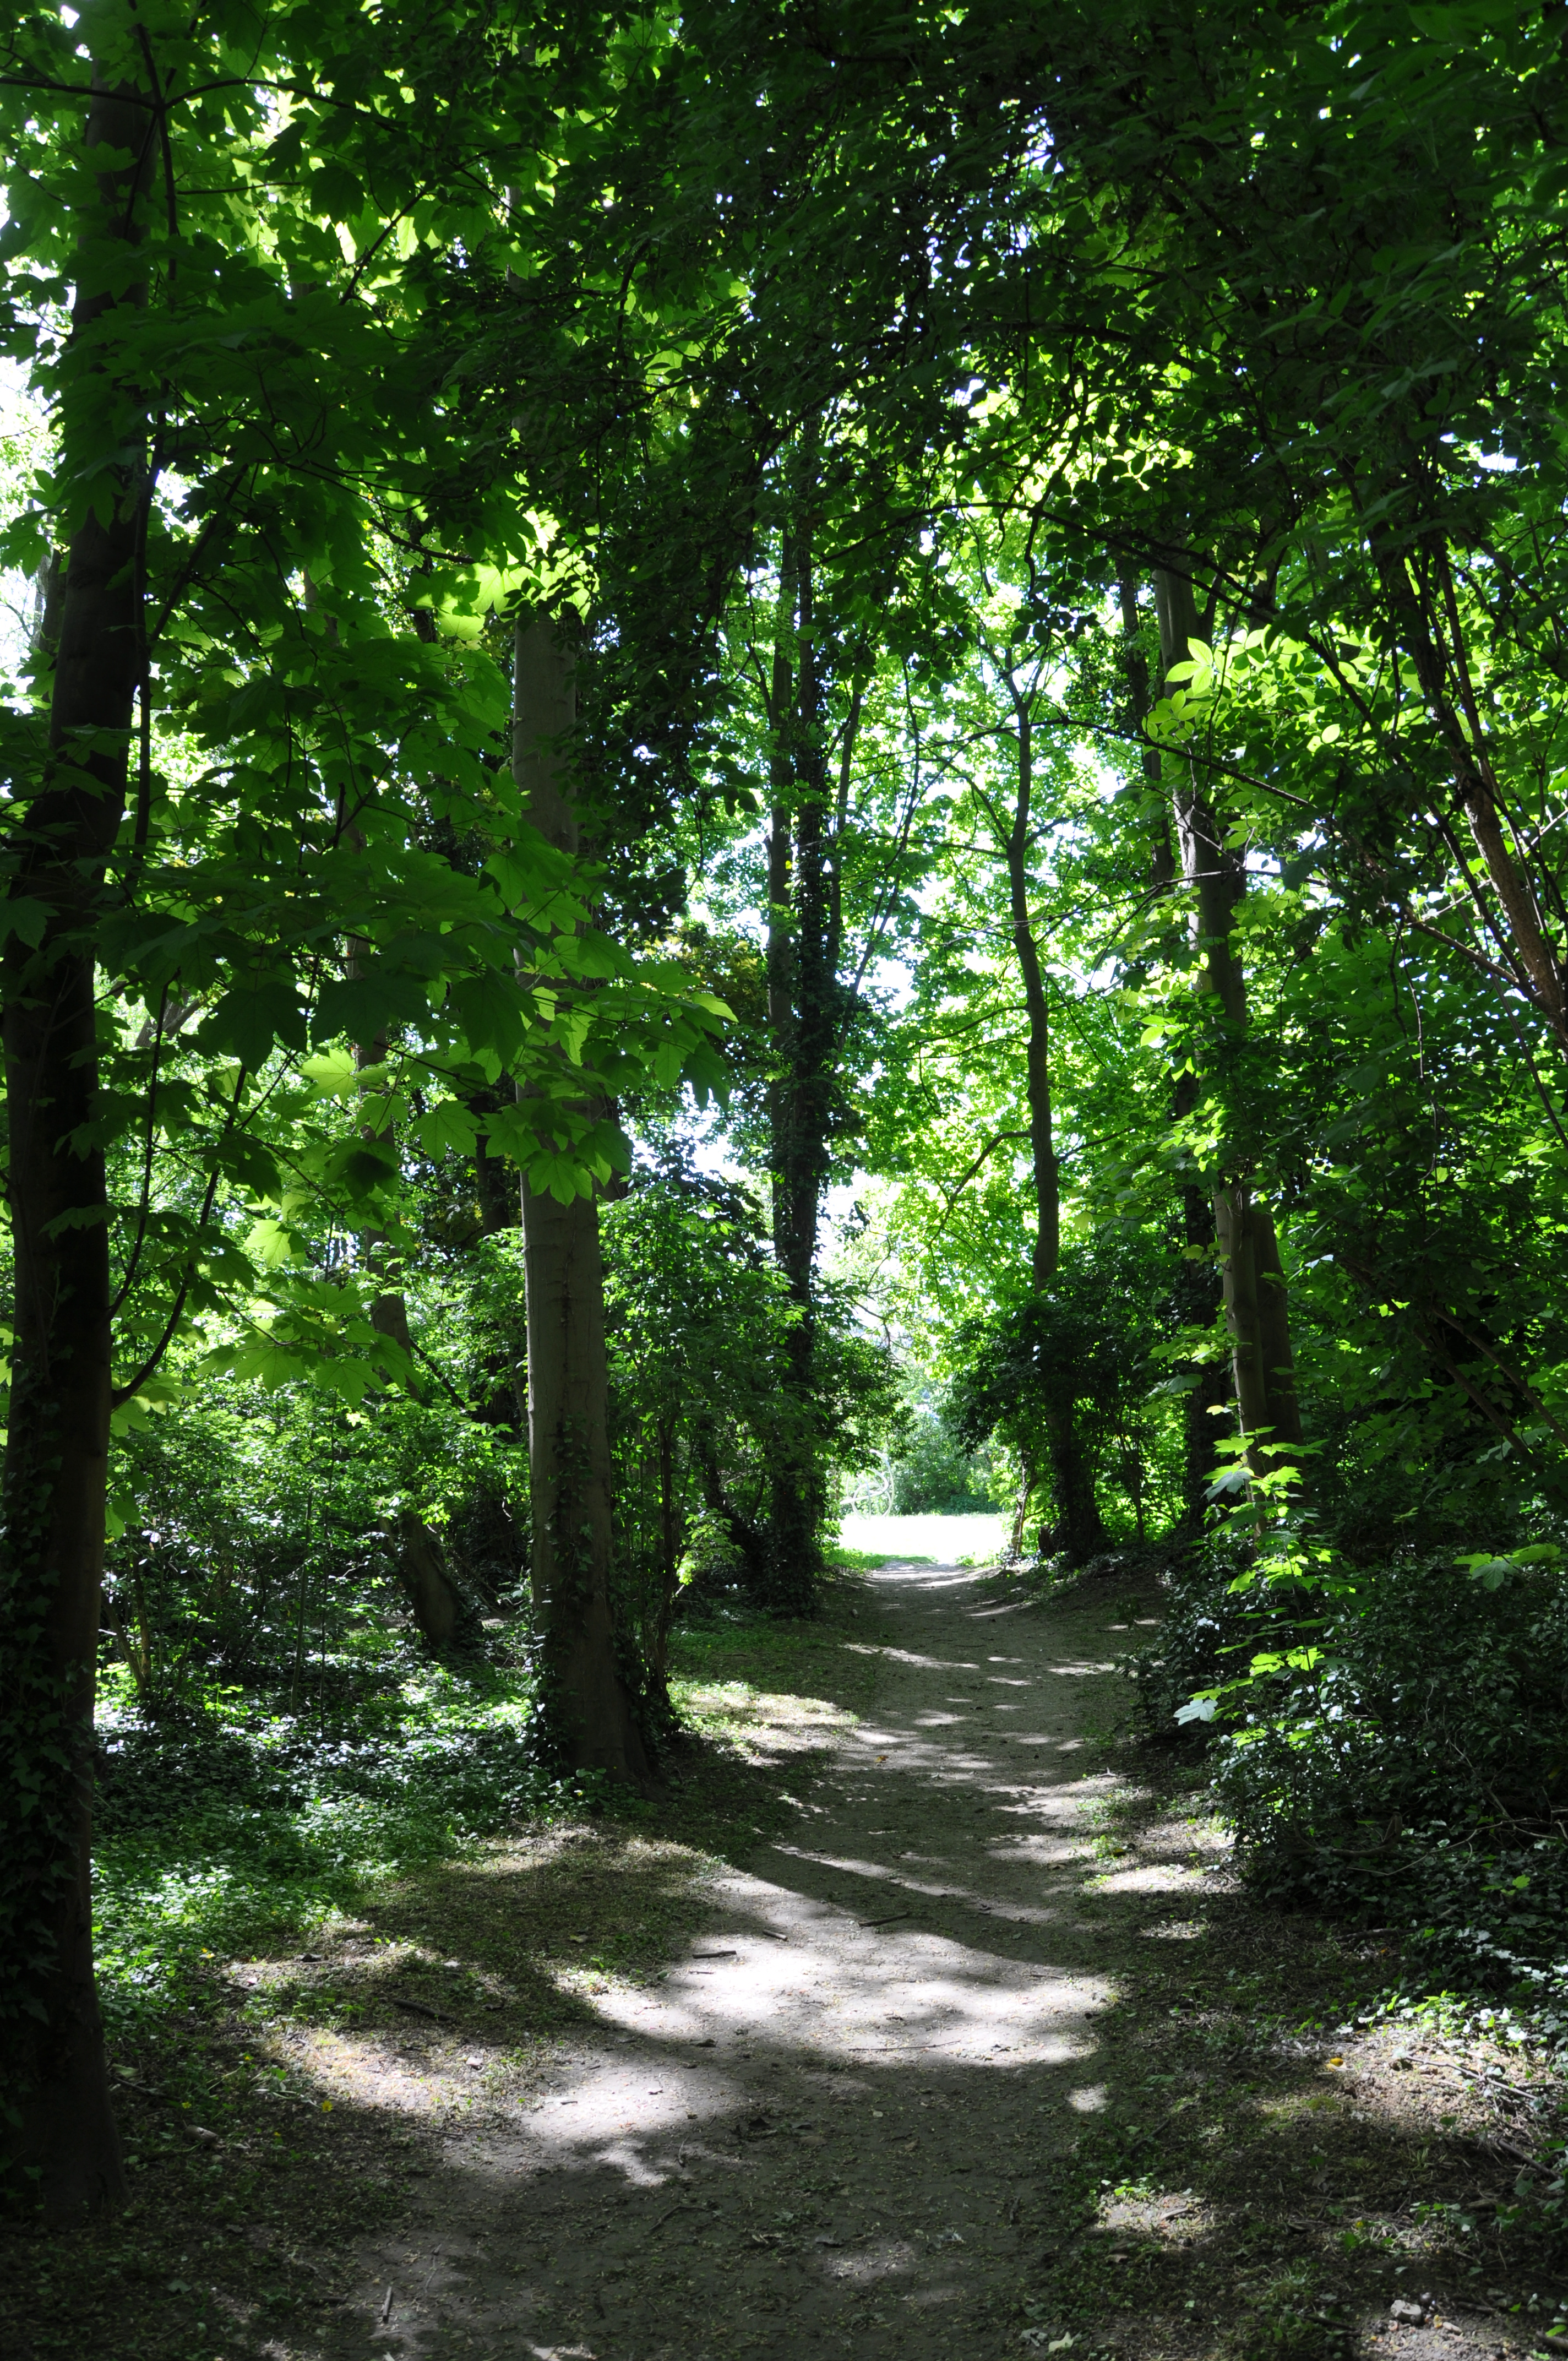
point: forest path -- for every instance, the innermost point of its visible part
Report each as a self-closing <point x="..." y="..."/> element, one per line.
<point x="825" y="2128"/>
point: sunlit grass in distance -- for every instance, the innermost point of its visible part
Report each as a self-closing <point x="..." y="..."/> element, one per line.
<point x="946" y="1540"/>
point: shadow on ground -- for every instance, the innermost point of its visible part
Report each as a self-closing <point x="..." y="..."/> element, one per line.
<point x="912" y="2021"/>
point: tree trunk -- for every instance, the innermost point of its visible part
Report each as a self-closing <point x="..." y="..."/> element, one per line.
<point x="1252" y="1282"/>
<point x="1214" y="873"/>
<point x="449" y="1623"/>
<point x="1255" y="1315"/>
<point x="1025" y="1493"/>
<point x="446" y="1619"/>
<point x="1197" y="1289"/>
<point x="495" y="1179"/>
<point x="1079" y="1527"/>
<point x="1198" y="1292"/>
<point x="591" y="1708"/>
<point x="748" y="1541"/>
<point x="800" y="1002"/>
<point x="1037" y="1039"/>
<point x="57" y="2140"/>
<point x="669" y="1554"/>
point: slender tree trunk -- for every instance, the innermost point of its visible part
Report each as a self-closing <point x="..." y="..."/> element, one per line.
<point x="1026" y="1483"/>
<point x="1214" y="883"/>
<point x="57" y="2138"/>
<point x="780" y="954"/>
<point x="1037" y="1037"/>
<point x="495" y="1179"/>
<point x="590" y="1702"/>
<point x="748" y="1539"/>
<point x="1197" y="1289"/>
<point x="801" y="1007"/>
<point x="500" y="1208"/>
<point x="669" y="1552"/>
<point x="1238" y="1266"/>
<point x="1077" y="1527"/>
<point x="1252" y="1279"/>
<point x="1432" y="634"/>
<point x="446" y="1621"/>
<point x="1257" y="1318"/>
<point x="1162" y="856"/>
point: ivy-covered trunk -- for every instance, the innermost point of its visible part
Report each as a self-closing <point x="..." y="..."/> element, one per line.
<point x="591" y="1708"/>
<point x="56" y="2130"/>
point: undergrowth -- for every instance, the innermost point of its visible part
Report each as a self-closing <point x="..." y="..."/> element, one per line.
<point x="1405" y="1770"/>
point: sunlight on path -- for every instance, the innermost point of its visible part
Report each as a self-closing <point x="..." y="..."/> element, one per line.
<point x="826" y="2121"/>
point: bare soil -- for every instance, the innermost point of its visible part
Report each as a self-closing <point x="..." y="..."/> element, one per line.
<point x="916" y="2024"/>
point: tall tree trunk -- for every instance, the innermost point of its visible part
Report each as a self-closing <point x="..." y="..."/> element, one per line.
<point x="1197" y="1289"/>
<point x="748" y="1537"/>
<point x="56" y="2130"/>
<point x="1077" y="1526"/>
<point x="801" y="1005"/>
<point x="1274" y="1328"/>
<point x="1037" y="1037"/>
<point x="1256" y="1317"/>
<point x="669" y="1552"/>
<point x="1251" y="1278"/>
<point x="446" y="1619"/>
<point x="590" y="1702"/>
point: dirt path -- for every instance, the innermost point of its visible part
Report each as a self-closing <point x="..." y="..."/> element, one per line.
<point x="828" y="2126"/>
<point x="981" y="2055"/>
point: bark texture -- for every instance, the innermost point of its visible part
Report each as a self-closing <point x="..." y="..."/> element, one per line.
<point x="591" y="1705"/>
<point x="62" y="2136"/>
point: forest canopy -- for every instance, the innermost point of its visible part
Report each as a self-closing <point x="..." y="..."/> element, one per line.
<point x="754" y="760"/>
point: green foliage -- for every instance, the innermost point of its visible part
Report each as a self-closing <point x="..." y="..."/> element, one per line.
<point x="1077" y="1362"/>
<point x="241" y="1824"/>
<point x="934" y="1473"/>
<point x="700" y="1327"/>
